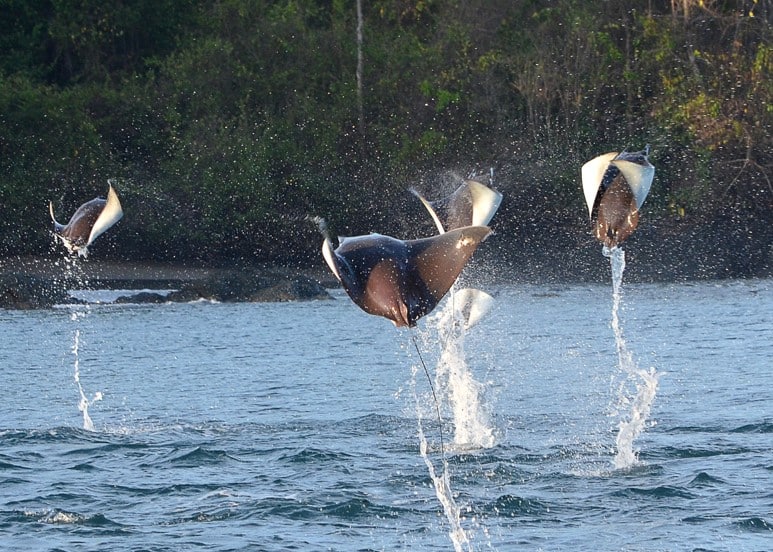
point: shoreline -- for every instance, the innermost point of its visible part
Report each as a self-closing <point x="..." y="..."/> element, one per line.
<point x="42" y="282"/>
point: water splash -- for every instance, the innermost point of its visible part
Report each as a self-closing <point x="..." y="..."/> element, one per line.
<point x="84" y="403"/>
<point x="457" y="391"/>
<point x="442" y="482"/>
<point x="644" y="382"/>
<point x="460" y="394"/>
<point x="455" y="382"/>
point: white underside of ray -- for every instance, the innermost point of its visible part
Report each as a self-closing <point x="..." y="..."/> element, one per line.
<point x="111" y="214"/>
<point x="329" y="255"/>
<point x="592" y="174"/>
<point x="472" y="304"/>
<point x="432" y="213"/>
<point x="485" y="202"/>
<point x="639" y="178"/>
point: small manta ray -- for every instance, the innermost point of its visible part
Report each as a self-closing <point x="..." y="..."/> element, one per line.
<point x="471" y="204"/>
<point x="400" y="280"/>
<point x="615" y="186"/>
<point x="91" y="220"/>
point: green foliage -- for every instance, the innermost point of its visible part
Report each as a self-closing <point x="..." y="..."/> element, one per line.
<point x="227" y="123"/>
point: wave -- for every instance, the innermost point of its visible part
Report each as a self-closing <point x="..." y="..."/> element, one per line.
<point x="703" y="479"/>
<point x="198" y="456"/>
<point x="515" y="506"/>
<point x="56" y="516"/>
<point x="755" y="525"/>
<point x="660" y="491"/>
<point x="762" y="427"/>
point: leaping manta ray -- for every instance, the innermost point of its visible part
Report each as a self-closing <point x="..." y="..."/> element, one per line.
<point x="400" y="280"/>
<point x="472" y="203"/>
<point x="88" y="222"/>
<point x="615" y="186"/>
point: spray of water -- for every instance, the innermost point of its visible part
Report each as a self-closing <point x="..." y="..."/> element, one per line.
<point x="84" y="403"/>
<point x="455" y="391"/>
<point x="74" y="276"/>
<point x="645" y="382"/>
<point x="455" y="382"/>
<point x="442" y="482"/>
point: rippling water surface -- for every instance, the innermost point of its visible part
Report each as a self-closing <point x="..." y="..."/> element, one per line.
<point x="300" y="426"/>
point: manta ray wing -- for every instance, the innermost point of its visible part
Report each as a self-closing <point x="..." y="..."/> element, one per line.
<point x="432" y="208"/>
<point x="639" y="178"/>
<point x="471" y="304"/>
<point x="485" y="203"/>
<point x="58" y="227"/>
<point x="592" y="174"/>
<point x="110" y="214"/>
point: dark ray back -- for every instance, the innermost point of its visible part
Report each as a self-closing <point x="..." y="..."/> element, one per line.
<point x="77" y="231"/>
<point x="616" y="213"/>
<point x="403" y="280"/>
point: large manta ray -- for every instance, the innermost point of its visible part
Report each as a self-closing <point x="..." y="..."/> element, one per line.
<point x="400" y="280"/>
<point x="88" y="222"/>
<point x="615" y="186"/>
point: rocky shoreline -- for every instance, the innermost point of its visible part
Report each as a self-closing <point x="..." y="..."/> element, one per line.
<point x="656" y="253"/>
<point x="38" y="283"/>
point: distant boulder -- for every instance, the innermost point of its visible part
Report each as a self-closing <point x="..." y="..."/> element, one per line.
<point x="23" y="292"/>
<point x="143" y="297"/>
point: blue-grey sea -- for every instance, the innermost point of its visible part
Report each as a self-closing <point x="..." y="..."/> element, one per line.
<point x="566" y="424"/>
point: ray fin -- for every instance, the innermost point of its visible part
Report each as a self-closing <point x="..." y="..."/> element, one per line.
<point x="327" y="246"/>
<point x="57" y="226"/>
<point x="439" y="260"/>
<point x="111" y="213"/>
<point x="485" y="202"/>
<point x="431" y="208"/>
<point x="592" y="174"/>
<point x="639" y="178"/>
<point x="472" y="304"/>
<point x="471" y="204"/>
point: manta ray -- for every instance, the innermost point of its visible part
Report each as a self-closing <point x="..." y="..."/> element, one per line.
<point x="401" y="280"/>
<point x="615" y="186"/>
<point x="88" y="222"/>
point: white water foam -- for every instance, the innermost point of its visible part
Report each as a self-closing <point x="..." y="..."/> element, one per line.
<point x="457" y="389"/>
<point x="645" y="382"/>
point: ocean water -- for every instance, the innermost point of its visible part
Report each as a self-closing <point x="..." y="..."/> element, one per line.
<point x="572" y="418"/>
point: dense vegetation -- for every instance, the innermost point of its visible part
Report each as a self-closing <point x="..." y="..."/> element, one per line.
<point x="226" y="122"/>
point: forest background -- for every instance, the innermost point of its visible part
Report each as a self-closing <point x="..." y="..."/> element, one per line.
<point x="225" y="123"/>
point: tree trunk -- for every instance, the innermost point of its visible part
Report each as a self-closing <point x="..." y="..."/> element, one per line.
<point x="360" y="101"/>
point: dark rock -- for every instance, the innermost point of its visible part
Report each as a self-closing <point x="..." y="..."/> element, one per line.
<point x="22" y="291"/>
<point x="143" y="297"/>
<point x="184" y="295"/>
<point x="250" y="287"/>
